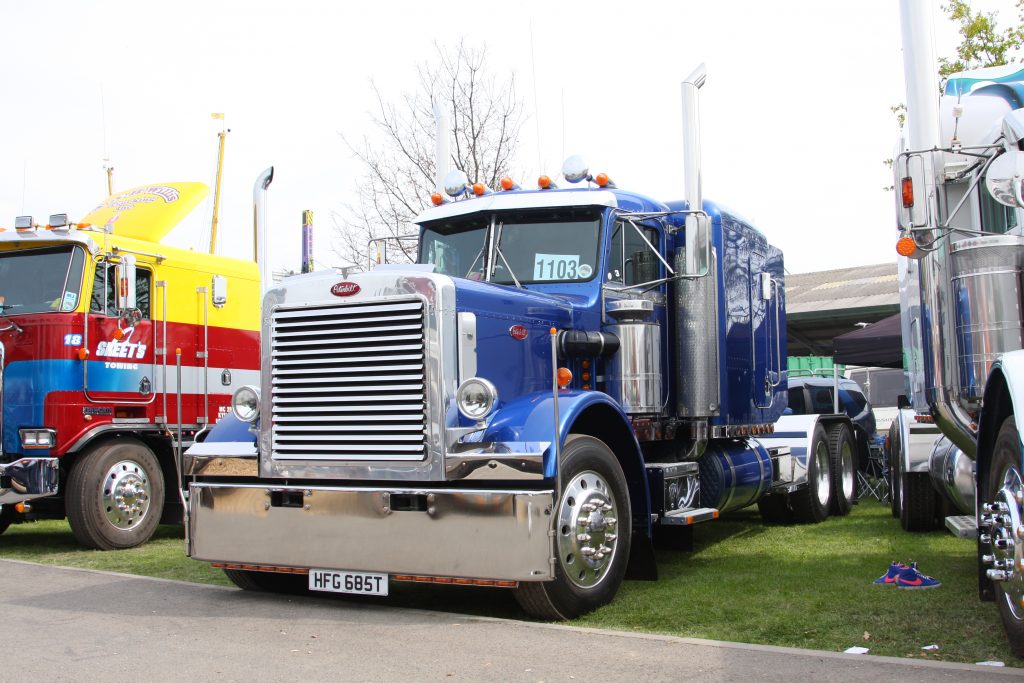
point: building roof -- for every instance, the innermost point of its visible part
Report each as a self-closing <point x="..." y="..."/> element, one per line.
<point x="825" y="304"/>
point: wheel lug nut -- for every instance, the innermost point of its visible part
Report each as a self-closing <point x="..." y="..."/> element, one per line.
<point x="582" y="538"/>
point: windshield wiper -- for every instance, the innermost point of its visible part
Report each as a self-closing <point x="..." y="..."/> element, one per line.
<point x="10" y="323"/>
<point x="497" y="250"/>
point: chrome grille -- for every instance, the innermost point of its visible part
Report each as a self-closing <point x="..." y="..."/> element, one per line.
<point x="348" y="382"/>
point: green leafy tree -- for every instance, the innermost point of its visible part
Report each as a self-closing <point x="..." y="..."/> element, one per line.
<point x="982" y="42"/>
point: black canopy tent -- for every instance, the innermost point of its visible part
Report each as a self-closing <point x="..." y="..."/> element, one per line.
<point x="879" y="345"/>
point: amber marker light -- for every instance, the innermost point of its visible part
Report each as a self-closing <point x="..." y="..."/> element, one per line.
<point x="564" y="377"/>
<point x="507" y="183"/>
<point x="906" y="246"/>
<point x="543" y="182"/>
<point x="83" y="354"/>
<point x="479" y="189"/>
<point x="907" y="191"/>
<point x="119" y="334"/>
<point x="436" y="199"/>
<point x="601" y="179"/>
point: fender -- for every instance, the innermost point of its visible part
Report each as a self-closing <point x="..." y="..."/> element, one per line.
<point x="531" y="418"/>
<point x="1004" y="394"/>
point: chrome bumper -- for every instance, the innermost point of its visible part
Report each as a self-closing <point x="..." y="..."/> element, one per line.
<point x="486" y="534"/>
<point x="28" y="478"/>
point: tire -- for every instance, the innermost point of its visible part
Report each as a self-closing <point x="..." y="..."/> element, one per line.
<point x="1004" y="481"/>
<point x="812" y="502"/>
<point x="917" y="501"/>
<point x="268" y="582"/>
<point x="844" y="469"/>
<point x="775" y="510"/>
<point x="115" y="495"/>
<point x="894" y="455"/>
<point x="585" y="577"/>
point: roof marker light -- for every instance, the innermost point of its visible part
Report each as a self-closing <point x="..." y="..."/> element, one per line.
<point x="479" y="189"/>
<point x="436" y="199"/>
<point x="508" y="184"/>
<point x="545" y="183"/>
<point x="603" y="180"/>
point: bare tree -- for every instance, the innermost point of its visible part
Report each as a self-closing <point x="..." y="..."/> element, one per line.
<point x="486" y="118"/>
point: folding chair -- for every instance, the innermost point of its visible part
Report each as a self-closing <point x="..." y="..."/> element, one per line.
<point x="873" y="479"/>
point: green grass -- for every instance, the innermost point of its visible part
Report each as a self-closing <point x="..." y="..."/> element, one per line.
<point x="799" y="586"/>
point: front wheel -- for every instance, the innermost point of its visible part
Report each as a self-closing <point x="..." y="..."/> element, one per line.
<point x="593" y="531"/>
<point x="1005" y="489"/>
<point x="115" y="495"/>
<point x="268" y="582"/>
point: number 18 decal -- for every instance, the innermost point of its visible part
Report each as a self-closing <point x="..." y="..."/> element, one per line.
<point x="72" y="340"/>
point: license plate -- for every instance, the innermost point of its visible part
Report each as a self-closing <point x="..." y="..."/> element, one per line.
<point x="360" y="583"/>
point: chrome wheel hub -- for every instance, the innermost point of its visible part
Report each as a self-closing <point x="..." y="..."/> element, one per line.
<point x="587" y="529"/>
<point x="846" y="460"/>
<point x="822" y="482"/>
<point x="126" y="494"/>
<point x="1000" y="526"/>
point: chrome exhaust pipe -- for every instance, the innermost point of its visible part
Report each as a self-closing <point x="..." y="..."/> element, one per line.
<point x="696" y="229"/>
<point x="443" y="135"/>
<point x="938" y="336"/>
<point x="259" y="227"/>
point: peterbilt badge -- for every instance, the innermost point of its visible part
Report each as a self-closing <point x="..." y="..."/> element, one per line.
<point x="518" y="332"/>
<point x="345" y="289"/>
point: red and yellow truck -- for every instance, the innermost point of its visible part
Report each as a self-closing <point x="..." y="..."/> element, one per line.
<point x="115" y="350"/>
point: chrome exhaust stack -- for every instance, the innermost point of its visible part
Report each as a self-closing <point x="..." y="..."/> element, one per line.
<point x="696" y="292"/>
<point x="259" y="227"/>
<point x="938" y="334"/>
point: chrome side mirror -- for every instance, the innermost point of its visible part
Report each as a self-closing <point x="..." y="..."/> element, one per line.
<point x="1005" y="179"/>
<point x="124" y="274"/>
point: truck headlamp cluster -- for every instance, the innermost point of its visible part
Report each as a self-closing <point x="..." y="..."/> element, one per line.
<point x="38" y="438"/>
<point x="476" y="398"/>
<point x="245" y="403"/>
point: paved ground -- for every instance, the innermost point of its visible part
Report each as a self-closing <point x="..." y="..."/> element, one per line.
<point x="67" y="624"/>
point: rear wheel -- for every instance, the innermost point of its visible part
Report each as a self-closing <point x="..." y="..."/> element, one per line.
<point x="811" y="503"/>
<point x="268" y="582"/>
<point x="844" y="469"/>
<point x="594" y="526"/>
<point x="115" y="495"/>
<point x="917" y="501"/>
<point x="1005" y="489"/>
<point x="894" y="455"/>
<point x="774" y="509"/>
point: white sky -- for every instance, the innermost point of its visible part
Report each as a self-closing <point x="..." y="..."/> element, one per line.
<point x="795" y="110"/>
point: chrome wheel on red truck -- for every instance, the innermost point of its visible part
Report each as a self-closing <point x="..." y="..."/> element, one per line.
<point x="115" y="495"/>
<point x="592" y="536"/>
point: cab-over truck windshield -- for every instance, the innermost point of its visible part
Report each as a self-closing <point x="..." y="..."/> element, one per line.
<point x="41" y="280"/>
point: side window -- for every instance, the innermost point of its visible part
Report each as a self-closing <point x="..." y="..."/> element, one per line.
<point x="631" y="261"/>
<point x="857" y="398"/>
<point x="104" y="290"/>
<point x="796" y="400"/>
<point x="821" y="397"/>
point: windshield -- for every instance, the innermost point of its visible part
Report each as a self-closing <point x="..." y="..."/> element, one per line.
<point x="528" y="247"/>
<point x="41" y="280"/>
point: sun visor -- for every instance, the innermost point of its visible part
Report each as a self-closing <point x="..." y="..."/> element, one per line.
<point x="148" y="212"/>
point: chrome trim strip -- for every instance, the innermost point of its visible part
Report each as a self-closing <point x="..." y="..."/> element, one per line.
<point x="499" y="460"/>
<point x="472" y="533"/>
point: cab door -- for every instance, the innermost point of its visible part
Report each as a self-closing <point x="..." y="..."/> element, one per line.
<point x="121" y="364"/>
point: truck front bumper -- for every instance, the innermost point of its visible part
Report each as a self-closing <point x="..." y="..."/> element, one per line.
<point x="28" y="478"/>
<point x="485" y="534"/>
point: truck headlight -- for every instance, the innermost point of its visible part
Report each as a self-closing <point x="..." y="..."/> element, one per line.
<point x="245" y="403"/>
<point x="38" y="438"/>
<point x="476" y="398"/>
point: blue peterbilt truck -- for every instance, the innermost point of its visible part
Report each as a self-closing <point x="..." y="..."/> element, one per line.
<point x="565" y="375"/>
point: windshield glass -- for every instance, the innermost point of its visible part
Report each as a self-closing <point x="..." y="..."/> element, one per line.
<point x="529" y="247"/>
<point x="41" y="280"/>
